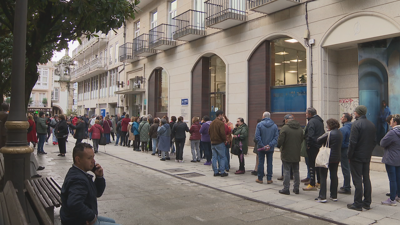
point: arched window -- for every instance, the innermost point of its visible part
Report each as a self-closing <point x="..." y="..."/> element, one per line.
<point x="158" y="93"/>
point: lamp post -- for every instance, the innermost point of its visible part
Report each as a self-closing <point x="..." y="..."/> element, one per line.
<point x="17" y="152"/>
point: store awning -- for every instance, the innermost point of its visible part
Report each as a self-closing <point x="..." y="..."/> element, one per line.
<point x="130" y="91"/>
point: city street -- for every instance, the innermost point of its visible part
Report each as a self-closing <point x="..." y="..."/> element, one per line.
<point x="141" y="189"/>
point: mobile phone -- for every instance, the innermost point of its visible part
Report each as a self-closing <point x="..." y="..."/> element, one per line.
<point x="94" y="168"/>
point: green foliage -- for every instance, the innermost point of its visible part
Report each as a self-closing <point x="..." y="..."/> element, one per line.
<point x="30" y="100"/>
<point x="51" y="24"/>
<point x="73" y="112"/>
<point x="44" y="101"/>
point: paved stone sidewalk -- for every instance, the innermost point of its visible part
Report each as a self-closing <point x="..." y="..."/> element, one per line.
<point x="245" y="185"/>
<point x="138" y="195"/>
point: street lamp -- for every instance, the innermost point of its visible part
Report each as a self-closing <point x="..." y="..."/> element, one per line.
<point x="17" y="152"/>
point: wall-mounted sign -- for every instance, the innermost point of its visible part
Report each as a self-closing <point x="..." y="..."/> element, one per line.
<point x="184" y="101"/>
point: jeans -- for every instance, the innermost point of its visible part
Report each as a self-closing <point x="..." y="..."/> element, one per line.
<point x="180" y="143"/>
<point x="201" y="150"/>
<point x="96" y="144"/>
<point x="62" y="145"/>
<point x="287" y="168"/>
<point x="394" y="180"/>
<point x="218" y="156"/>
<point x="344" y="162"/>
<point x="155" y="142"/>
<point x="333" y="167"/>
<point x="54" y="137"/>
<point x="172" y="147"/>
<point x="104" y="221"/>
<point x="207" y="150"/>
<point x="308" y="168"/>
<point x="123" y="138"/>
<point x="42" y="138"/>
<point x="261" y="159"/>
<point x="107" y="138"/>
<point x="164" y="154"/>
<point x="118" y="136"/>
<point x="314" y="171"/>
<point x="360" y="175"/>
<point x="195" y="145"/>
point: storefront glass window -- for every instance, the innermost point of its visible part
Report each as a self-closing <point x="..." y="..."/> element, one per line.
<point x="163" y="92"/>
<point x="218" y="84"/>
<point x="288" y="62"/>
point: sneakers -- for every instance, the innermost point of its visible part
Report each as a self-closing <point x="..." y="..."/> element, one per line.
<point x="269" y="182"/>
<point x="224" y="174"/>
<point x="207" y="163"/>
<point x="389" y="202"/>
<point x="162" y="159"/>
<point x="217" y="174"/>
<point x="259" y="181"/>
<point x="353" y="207"/>
<point x="310" y="188"/>
<point x="333" y="199"/>
<point x="181" y="161"/>
<point x="319" y="200"/>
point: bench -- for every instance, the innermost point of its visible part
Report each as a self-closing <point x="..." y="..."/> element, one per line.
<point x="11" y="212"/>
<point x="43" y="194"/>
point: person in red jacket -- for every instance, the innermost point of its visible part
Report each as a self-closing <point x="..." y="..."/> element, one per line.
<point x="74" y="120"/>
<point x="107" y="125"/>
<point x="32" y="138"/>
<point x="195" y="139"/>
<point x="96" y="131"/>
<point x="124" y="128"/>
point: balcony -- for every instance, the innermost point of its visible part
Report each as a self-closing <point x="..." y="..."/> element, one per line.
<point x="126" y="53"/>
<point x="161" y="37"/>
<point x="96" y="42"/>
<point x="272" y="6"/>
<point x="223" y="14"/>
<point x="190" y="26"/>
<point x="91" y="69"/>
<point x="141" y="46"/>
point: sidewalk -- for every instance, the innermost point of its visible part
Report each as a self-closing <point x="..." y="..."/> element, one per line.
<point x="245" y="185"/>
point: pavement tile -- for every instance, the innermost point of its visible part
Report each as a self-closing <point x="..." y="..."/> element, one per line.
<point x="341" y="214"/>
<point x="388" y="221"/>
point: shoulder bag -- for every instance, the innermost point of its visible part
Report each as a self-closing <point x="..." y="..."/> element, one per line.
<point x="324" y="153"/>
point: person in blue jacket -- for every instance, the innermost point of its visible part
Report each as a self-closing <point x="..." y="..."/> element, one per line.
<point x="267" y="137"/>
<point x="344" y="161"/>
<point x="135" y="131"/>
<point x="79" y="192"/>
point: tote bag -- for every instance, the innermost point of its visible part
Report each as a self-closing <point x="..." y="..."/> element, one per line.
<point x="322" y="159"/>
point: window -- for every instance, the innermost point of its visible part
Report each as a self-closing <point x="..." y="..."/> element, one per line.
<point x="199" y="5"/>
<point x="137" y="28"/>
<point x="288" y="62"/>
<point x="94" y="87"/>
<point x="218" y="84"/>
<point x="42" y="82"/>
<point x="103" y="85"/>
<point x="238" y="6"/>
<point x="113" y="82"/>
<point x="41" y="97"/>
<point x="198" y="18"/>
<point x="105" y="57"/>
<point x="163" y="104"/>
<point x="116" y="52"/>
<point x="111" y="56"/>
<point x="153" y="19"/>
<point x="171" y="14"/>
<point x="55" y="95"/>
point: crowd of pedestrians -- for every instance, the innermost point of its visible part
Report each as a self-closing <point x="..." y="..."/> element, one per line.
<point x="215" y="141"/>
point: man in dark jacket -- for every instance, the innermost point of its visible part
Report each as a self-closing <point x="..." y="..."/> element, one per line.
<point x="362" y="143"/>
<point x="178" y="132"/>
<point x="344" y="161"/>
<point x="41" y="129"/>
<point x="218" y="138"/>
<point x="290" y="139"/>
<point x="79" y="193"/>
<point x="171" y="125"/>
<point x="315" y="128"/>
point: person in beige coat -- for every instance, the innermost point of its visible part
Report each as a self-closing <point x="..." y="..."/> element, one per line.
<point x="131" y="136"/>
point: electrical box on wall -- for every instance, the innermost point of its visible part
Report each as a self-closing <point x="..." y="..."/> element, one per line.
<point x="311" y="42"/>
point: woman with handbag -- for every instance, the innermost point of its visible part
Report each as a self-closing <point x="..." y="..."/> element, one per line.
<point x="96" y="131"/>
<point x="240" y="143"/>
<point x="333" y="140"/>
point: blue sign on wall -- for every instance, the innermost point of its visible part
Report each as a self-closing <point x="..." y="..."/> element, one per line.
<point x="184" y="101"/>
<point x="289" y="99"/>
<point x="103" y="112"/>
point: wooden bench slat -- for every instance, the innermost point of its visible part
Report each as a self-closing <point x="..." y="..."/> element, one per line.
<point x="55" y="186"/>
<point x="4" y="212"/>
<point x="37" y="204"/>
<point x="13" y="205"/>
<point x="54" y="192"/>
<point x="48" y="192"/>
<point x="44" y="202"/>
<point x="54" y="182"/>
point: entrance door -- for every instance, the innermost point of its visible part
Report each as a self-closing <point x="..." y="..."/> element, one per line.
<point x="217" y="103"/>
<point x="370" y="99"/>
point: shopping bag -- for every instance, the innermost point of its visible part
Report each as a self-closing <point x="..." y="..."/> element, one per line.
<point x="324" y="153"/>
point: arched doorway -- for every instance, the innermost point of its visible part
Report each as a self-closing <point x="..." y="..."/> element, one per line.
<point x="373" y="89"/>
<point x="208" y="86"/>
<point x="277" y="80"/>
<point x="158" y="93"/>
<point x="56" y="110"/>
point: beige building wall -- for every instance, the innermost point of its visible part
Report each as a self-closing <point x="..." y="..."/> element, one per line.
<point x="43" y="87"/>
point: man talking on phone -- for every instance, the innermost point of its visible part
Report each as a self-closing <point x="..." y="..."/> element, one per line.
<point x="79" y="192"/>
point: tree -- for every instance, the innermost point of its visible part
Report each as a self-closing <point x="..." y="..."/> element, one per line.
<point x="51" y="25"/>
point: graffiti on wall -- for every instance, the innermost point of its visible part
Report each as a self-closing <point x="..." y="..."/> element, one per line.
<point x="348" y="105"/>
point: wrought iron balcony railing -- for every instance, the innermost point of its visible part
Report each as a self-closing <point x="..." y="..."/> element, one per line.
<point x="141" y="46"/>
<point x="223" y="14"/>
<point x="271" y="6"/>
<point x="190" y="26"/>
<point x="92" y="68"/>
<point x="126" y="53"/>
<point x="161" y="37"/>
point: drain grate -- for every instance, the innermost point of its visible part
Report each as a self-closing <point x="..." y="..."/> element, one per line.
<point x="190" y="175"/>
<point x="175" y="170"/>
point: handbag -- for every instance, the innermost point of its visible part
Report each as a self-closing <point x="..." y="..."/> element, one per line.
<point x="324" y="153"/>
<point x="103" y="140"/>
<point x="235" y="149"/>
